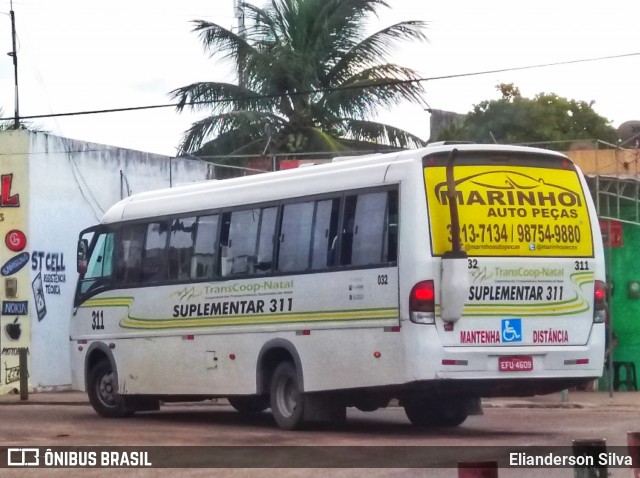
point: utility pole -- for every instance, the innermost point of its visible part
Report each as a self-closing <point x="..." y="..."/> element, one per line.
<point x="239" y="11"/>
<point x="14" y="54"/>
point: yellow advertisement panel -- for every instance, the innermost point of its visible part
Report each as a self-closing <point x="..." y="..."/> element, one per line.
<point x="510" y="211"/>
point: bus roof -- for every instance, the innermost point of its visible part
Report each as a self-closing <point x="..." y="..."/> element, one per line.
<point x="355" y="172"/>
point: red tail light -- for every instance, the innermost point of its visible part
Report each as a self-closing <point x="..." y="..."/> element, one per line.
<point x="422" y="298"/>
<point x="600" y="295"/>
<point x="599" y="301"/>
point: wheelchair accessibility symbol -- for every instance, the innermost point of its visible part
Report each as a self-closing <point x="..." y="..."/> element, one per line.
<point x="511" y="330"/>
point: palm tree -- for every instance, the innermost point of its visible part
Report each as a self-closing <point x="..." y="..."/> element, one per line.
<point x="6" y="125"/>
<point x="311" y="80"/>
<point x="9" y="125"/>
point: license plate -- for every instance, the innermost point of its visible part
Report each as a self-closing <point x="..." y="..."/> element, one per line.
<point x="515" y="364"/>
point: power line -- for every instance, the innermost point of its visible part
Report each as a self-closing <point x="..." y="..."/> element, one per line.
<point x="328" y="90"/>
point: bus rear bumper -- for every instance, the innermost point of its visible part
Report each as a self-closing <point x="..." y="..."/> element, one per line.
<point x="506" y="387"/>
<point x="507" y="363"/>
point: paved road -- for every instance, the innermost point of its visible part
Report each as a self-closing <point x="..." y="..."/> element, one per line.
<point x="507" y="423"/>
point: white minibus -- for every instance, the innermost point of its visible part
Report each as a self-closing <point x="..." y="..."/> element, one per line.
<point x="430" y="277"/>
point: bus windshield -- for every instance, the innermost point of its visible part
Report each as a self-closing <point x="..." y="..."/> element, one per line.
<point x="99" y="261"/>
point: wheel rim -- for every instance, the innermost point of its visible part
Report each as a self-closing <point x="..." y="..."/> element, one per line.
<point x="106" y="388"/>
<point x="287" y="397"/>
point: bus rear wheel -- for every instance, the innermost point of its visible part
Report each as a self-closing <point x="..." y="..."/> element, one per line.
<point x="429" y="413"/>
<point x="287" y="398"/>
<point x="103" y="392"/>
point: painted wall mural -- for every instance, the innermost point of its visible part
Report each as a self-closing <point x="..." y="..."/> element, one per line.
<point x="15" y="275"/>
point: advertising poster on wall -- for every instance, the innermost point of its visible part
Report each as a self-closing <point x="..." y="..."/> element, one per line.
<point x="15" y="277"/>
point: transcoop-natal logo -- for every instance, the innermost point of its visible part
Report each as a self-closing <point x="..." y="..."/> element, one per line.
<point x="249" y="287"/>
<point x="529" y="273"/>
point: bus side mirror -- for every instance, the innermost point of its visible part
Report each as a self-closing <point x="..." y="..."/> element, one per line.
<point x="455" y="285"/>
<point x="83" y="251"/>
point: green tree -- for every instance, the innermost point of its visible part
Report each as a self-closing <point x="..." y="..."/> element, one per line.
<point x="545" y="118"/>
<point x="311" y="80"/>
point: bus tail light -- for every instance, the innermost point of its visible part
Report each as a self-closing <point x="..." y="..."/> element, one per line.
<point x="422" y="303"/>
<point x="599" y="302"/>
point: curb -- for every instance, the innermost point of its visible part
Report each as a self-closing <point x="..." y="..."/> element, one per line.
<point x="40" y="402"/>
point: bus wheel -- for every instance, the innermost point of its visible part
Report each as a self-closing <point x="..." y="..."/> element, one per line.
<point x="427" y="413"/>
<point x="249" y="404"/>
<point x="103" y="392"/>
<point x="287" y="400"/>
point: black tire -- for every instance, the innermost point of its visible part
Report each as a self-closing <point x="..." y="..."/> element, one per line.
<point x="103" y="392"/>
<point x="249" y="403"/>
<point x="287" y="399"/>
<point x="426" y="413"/>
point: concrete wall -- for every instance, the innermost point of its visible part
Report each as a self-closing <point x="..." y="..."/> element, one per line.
<point x="69" y="186"/>
<point x="612" y="162"/>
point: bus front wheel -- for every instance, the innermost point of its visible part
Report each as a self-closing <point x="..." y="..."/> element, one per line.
<point x="287" y="398"/>
<point x="103" y="392"/>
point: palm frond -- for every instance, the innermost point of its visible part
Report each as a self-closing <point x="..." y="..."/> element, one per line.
<point x="372" y="50"/>
<point x="206" y="129"/>
<point x="383" y="85"/>
<point x="217" y="39"/>
<point x="218" y="97"/>
<point x="380" y="133"/>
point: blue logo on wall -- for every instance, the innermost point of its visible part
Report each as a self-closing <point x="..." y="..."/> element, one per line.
<point x="14" y="264"/>
<point x="15" y="307"/>
<point x="511" y="330"/>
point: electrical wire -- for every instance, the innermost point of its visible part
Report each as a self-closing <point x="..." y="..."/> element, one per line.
<point x="328" y="90"/>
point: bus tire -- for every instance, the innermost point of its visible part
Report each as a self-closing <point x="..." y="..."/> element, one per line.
<point x="103" y="392"/>
<point x="249" y="403"/>
<point x="287" y="398"/>
<point x="426" y="413"/>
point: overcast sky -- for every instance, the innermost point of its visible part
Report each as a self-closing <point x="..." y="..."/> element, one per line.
<point x="78" y="55"/>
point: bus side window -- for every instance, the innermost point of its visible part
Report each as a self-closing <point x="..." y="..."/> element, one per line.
<point x="203" y="261"/>
<point x="181" y="242"/>
<point x="348" y="225"/>
<point x="130" y="244"/>
<point x="325" y="233"/>
<point x="390" y="241"/>
<point x="366" y="235"/>
<point x="238" y="254"/>
<point x="266" y="240"/>
<point x="154" y="261"/>
<point x="295" y="237"/>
